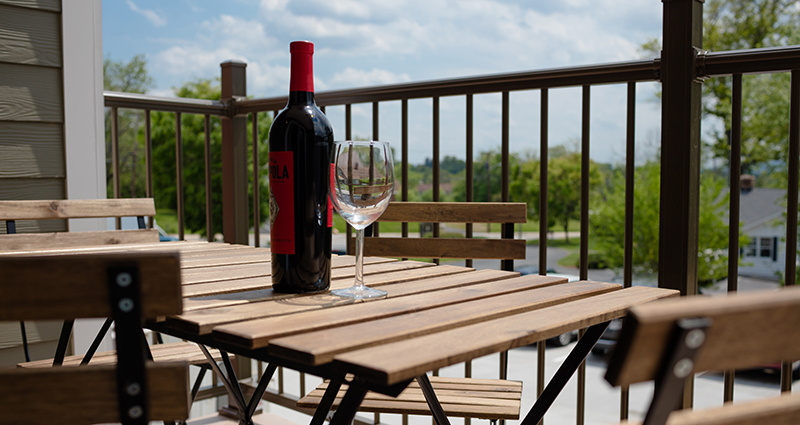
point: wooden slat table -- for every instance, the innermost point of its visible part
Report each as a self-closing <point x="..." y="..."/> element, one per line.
<point x="433" y="316"/>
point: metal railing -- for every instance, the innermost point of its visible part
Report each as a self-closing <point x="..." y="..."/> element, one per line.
<point x="681" y="70"/>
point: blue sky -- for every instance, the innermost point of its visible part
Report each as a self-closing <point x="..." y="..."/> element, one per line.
<point x="364" y="43"/>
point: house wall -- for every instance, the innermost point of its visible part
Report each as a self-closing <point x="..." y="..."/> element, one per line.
<point x="31" y="106"/>
<point x="51" y="130"/>
<point x="756" y="265"/>
<point x="31" y="136"/>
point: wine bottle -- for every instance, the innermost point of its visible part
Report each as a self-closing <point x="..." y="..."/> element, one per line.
<point x="301" y="214"/>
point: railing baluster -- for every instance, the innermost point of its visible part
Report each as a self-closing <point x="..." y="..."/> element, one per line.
<point x="733" y="221"/>
<point x="585" y="125"/>
<point x="504" y="148"/>
<point x="543" y="181"/>
<point x="348" y="134"/>
<point x="584" y="271"/>
<point x="470" y="176"/>
<point x="540" y="346"/>
<point x="404" y="155"/>
<point x="256" y="183"/>
<point x="435" y="171"/>
<point x="148" y="161"/>
<point x="790" y="277"/>
<point x="436" y="176"/>
<point x="179" y="174"/>
<point x="207" y="156"/>
<point x="630" y="172"/>
<point x="376" y="227"/>
<point x="115" y="157"/>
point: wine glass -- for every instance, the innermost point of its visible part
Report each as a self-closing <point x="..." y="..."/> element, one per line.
<point x="361" y="188"/>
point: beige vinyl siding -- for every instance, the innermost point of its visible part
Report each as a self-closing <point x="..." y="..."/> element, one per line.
<point x="32" y="189"/>
<point x="31" y="150"/>
<point x="29" y="37"/>
<point x="31" y="93"/>
<point x="51" y="5"/>
<point x="32" y="154"/>
<point x="42" y="341"/>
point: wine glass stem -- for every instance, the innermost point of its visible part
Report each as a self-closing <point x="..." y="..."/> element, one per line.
<point x="360" y="258"/>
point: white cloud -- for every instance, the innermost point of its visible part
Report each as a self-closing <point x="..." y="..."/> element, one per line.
<point x="351" y="77"/>
<point x="151" y="15"/>
<point x="370" y="42"/>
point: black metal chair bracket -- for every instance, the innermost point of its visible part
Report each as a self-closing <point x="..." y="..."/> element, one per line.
<point x="677" y="365"/>
<point x="126" y="311"/>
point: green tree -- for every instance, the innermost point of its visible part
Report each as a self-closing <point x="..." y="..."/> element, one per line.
<point x="193" y="136"/>
<point x="748" y="24"/>
<point x="128" y="77"/>
<point x="564" y="189"/>
<point x="487" y="178"/>
<point x="525" y="187"/>
<point x="607" y="220"/>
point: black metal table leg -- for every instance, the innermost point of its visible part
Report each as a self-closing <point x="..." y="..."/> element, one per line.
<point x="260" y="388"/>
<point x="231" y="383"/>
<point x="347" y="409"/>
<point x="63" y="342"/>
<point x="433" y="402"/>
<point x="567" y="369"/>
<point x="224" y="379"/>
<point x="327" y="402"/>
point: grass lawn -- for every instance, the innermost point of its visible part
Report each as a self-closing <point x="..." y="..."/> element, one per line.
<point x="167" y="219"/>
<point x="387" y="227"/>
<point x="574" y="248"/>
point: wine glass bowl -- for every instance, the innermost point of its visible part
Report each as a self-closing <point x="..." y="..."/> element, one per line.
<point x="362" y="184"/>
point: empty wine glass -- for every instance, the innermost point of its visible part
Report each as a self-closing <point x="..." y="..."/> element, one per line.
<point x="361" y="188"/>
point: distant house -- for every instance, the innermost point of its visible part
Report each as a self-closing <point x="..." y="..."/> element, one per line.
<point x="761" y="213"/>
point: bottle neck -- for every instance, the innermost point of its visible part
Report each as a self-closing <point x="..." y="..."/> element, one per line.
<point x="302" y="76"/>
<point x="301" y="97"/>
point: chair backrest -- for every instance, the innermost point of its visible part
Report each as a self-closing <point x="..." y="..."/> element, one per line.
<point x="669" y="340"/>
<point x="129" y="287"/>
<point x="506" y="213"/>
<point x="11" y="211"/>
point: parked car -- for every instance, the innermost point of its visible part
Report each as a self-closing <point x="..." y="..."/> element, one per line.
<point x="567" y="337"/>
<point x="609" y="338"/>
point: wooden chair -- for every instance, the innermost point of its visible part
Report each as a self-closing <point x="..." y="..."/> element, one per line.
<point x="669" y="341"/>
<point x="128" y="287"/>
<point x="506" y="213"/>
<point x="13" y="211"/>
<point x="460" y="397"/>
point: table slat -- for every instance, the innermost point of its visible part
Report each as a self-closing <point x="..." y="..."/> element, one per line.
<point x="202" y="322"/>
<point x="257" y="333"/>
<point x="264" y="282"/>
<point x="397" y="361"/>
<point x="401" y="288"/>
<point x="317" y="348"/>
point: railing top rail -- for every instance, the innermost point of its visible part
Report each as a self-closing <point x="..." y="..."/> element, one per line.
<point x="774" y="59"/>
<point x="621" y="72"/>
<point x="752" y="61"/>
<point x="169" y="104"/>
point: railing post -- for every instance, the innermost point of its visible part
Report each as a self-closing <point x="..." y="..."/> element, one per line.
<point x="235" y="205"/>
<point x="680" y="145"/>
<point x="680" y="152"/>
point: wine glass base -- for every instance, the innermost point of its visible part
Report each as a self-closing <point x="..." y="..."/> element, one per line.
<point x="359" y="293"/>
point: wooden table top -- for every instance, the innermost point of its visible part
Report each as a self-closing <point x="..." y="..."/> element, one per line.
<point x="433" y="316"/>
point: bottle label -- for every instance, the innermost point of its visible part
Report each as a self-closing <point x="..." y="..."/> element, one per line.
<point x="330" y="204"/>
<point x="281" y="202"/>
